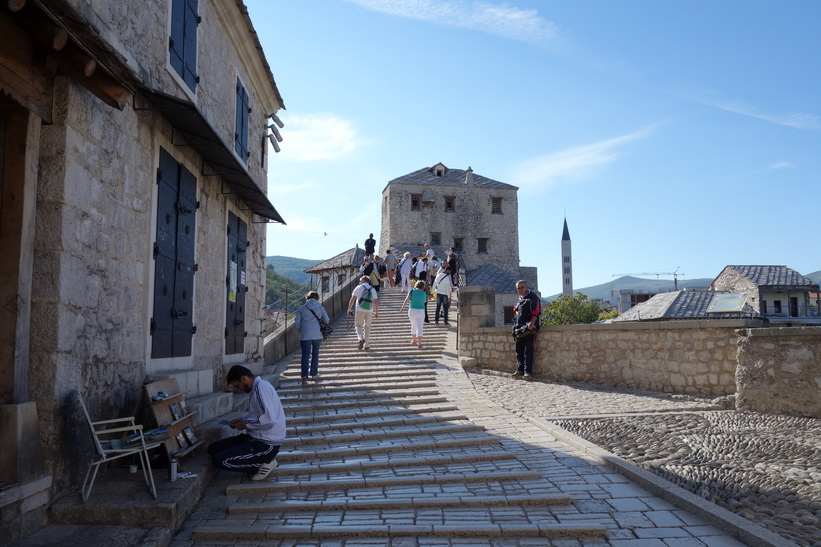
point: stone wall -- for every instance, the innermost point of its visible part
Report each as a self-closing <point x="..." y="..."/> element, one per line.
<point x="686" y="357"/>
<point x="775" y="370"/>
<point x="779" y="370"/>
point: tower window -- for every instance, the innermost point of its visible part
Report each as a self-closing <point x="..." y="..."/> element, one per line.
<point x="416" y="202"/>
<point x="482" y="244"/>
<point x="496" y="206"/>
<point x="458" y="243"/>
<point x="450" y="203"/>
<point x="436" y="238"/>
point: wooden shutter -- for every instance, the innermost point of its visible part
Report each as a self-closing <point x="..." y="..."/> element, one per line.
<point x="172" y="326"/>
<point x="241" y="135"/>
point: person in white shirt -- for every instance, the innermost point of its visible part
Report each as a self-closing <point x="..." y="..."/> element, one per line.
<point x="442" y="286"/>
<point x="367" y="307"/>
<point x="263" y="429"/>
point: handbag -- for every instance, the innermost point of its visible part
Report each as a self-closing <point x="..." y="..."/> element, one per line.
<point x="324" y="327"/>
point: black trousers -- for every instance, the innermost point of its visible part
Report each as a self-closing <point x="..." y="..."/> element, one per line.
<point x="241" y="453"/>
<point x="525" y="349"/>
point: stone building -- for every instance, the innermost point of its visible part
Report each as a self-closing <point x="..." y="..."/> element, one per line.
<point x="337" y="272"/>
<point x="775" y="292"/>
<point x="133" y="159"/>
<point x="443" y="207"/>
<point x="477" y="216"/>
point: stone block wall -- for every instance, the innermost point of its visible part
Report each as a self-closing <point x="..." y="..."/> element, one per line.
<point x="689" y="358"/>
<point x="779" y="371"/>
<point x="770" y="370"/>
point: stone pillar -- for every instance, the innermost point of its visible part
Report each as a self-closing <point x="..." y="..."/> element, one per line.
<point x="477" y="307"/>
<point x="19" y="450"/>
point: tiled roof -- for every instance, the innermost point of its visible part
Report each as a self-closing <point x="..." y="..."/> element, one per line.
<point x="673" y="305"/>
<point x="451" y="177"/>
<point x="347" y="259"/>
<point x="772" y="276"/>
<point x="491" y="276"/>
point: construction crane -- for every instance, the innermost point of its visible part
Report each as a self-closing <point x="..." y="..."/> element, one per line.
<point x="675" y="275"/>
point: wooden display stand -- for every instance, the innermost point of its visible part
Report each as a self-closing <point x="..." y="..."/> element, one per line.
<point x="172" y="413"/>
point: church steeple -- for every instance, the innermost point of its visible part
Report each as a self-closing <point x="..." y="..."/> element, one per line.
<point x="567" y="262"/>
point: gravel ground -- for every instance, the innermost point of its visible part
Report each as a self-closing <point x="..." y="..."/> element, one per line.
<point x="765" y="468"/>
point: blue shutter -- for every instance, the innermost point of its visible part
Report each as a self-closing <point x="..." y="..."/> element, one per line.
<point x="172" y="326"/>
<point x="182" y="43"/>
<point x="241" y="134"/>
<point x="190" y="49"/>
<point x="176" y="42"/>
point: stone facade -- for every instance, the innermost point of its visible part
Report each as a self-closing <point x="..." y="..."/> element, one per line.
<point x="93" y="143"/>
<point x="476" y="215"/>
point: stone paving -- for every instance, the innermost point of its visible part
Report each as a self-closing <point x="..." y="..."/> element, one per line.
<point x="764" y="468"/>
<point x="398" y="446"/>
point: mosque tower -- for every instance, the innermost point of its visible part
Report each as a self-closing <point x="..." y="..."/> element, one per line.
<point x="567" y="262"/>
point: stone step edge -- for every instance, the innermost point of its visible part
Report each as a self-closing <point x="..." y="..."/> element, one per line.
<point x="378" y="482"/>
<point x="392" y="434"/>
<point x="291" y="385"/>
<point x="351" y="396"/>
<point x="423" y="408"/>
<point x="358" y="424"/>
<point x="336" y="453"/>
<point x="288" y="394"/>
<point x="359" y="368"/>
<point x="383" y="372"/>
<point x="294" y="411"/>
<point x="243" y="532"/>
<point x="399" y="503"/>
<point x="393" y="463"/>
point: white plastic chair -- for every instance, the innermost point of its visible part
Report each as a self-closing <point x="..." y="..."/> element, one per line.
<point x="104" y="431"/>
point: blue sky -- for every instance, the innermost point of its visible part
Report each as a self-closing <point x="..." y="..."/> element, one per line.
<point x="672" y="135"/>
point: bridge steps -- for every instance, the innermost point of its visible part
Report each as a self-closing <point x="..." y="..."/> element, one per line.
<point x="376" y="450"/>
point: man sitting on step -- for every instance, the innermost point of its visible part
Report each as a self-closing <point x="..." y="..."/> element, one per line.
<point x="263" y="429"/>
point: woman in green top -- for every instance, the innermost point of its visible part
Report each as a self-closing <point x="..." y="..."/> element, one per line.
<point x="416" y="311"/>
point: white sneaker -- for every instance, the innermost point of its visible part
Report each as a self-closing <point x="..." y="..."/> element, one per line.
<point x="264" y="470"/>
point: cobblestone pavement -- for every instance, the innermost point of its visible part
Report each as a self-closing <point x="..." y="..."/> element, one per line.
<point x="764" y="468"/>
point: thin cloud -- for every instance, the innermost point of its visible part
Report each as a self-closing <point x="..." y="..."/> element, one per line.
<point x="796" y="120"/>
<point x="318" y="137"/>
<point x="497" y="19"/>
<point x="782" y="165"/>
<point x="543" y="172"/>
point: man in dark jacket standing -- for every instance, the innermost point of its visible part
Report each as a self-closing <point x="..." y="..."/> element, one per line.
<point x="370" y="246"/>
<point x="527" y="312"/>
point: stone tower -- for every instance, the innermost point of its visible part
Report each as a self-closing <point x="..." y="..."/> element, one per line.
<point x="567" y="262"/>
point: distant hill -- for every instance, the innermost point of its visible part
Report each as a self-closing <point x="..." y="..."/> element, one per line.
<point x="292" y="268"/>
<point x="638" y="284"/>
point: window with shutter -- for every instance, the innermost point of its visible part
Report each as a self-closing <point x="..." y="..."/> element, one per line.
<point x="182" y="43"/>
<point x="241" y="132"/>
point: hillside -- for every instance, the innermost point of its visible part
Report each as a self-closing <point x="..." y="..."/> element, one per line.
<point x="292" y="268"/>
<point x="278" y="285"/>
<point x="637" y="284"/>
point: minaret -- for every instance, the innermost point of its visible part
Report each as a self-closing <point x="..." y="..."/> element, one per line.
<point x="567" y="262"/>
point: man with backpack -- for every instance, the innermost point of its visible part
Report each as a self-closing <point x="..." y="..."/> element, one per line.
<point x="367" y="307"/>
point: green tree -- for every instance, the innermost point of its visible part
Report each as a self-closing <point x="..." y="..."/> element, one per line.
<point x="569" y="310"/>
<point x="604" y="315"/>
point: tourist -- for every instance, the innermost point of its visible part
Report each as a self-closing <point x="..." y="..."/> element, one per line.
<point x="366" y="300"/>
<point x="526" y="325"/>
<point x="416" y="311"/>
<point x="310" y="336"/>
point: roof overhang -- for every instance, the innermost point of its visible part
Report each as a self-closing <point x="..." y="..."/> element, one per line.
<point x="192" y="124"/>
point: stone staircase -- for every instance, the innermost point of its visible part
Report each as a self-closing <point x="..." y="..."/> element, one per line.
<point x="381" y="451"/>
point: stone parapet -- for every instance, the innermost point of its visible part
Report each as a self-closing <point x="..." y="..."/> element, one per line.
<point x="775" y="370"/>
<point x="779" y="371"/>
